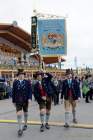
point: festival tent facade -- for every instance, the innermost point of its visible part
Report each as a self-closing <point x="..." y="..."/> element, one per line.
<point x="14" y="44"/>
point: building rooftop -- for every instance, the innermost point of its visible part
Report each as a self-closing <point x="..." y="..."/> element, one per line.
<point x="16" y="35"/>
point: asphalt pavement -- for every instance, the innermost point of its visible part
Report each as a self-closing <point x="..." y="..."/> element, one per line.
<point x="82" y="131"/>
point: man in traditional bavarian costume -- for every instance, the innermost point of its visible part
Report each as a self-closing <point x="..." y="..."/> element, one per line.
<point x="43" y="90"/>
<point x="70" y="91"/>
<point x="21" y="97"/>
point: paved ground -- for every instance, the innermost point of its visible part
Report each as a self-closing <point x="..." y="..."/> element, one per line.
<point x="84" y="114"/>
<point x="9" y="132"/>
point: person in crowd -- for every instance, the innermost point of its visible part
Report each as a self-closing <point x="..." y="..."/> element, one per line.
<point x="21" y="97"/>
<point x="43" y="92"/>
<point x="57" y="91"/>
<point x="78" y="86"/>
<point x="70" y="95"/>
<point x="90" y="82"/>
<point x="9" y="89"/>
<point x="85" y="89"/>
<point x="61" y="88"/>
<point x="82" y="84"/>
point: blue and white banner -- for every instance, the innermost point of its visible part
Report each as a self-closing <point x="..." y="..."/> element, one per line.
<point x="52" y="38"/>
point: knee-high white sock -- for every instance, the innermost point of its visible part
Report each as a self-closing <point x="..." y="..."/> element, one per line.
<point x="67" y="117"/>
<point x="74" y="114"/>
<point x="42" y="118"/>
<point x="25" y="118"/>
<point x="19" y="119"/>
<point x="47" y="117"/>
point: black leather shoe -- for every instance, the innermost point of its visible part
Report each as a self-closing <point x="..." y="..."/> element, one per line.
<point x="20" y="132"/>
<point x="24" y="127"/>
<point x="42" y="128"/>
<point x="66" y="125"/>
<point x="47" y="126"/>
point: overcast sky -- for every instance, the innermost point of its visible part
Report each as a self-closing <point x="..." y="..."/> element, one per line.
<point x="79" y="19"/>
